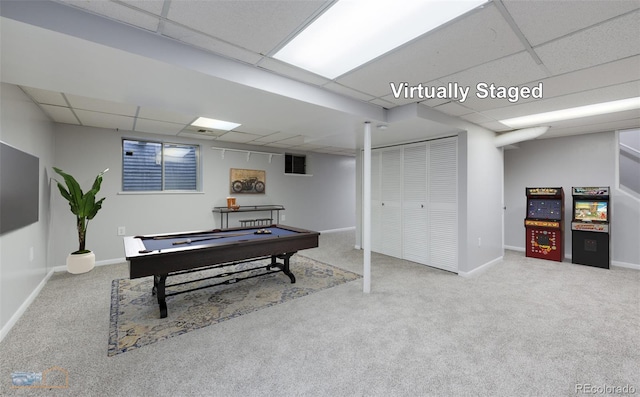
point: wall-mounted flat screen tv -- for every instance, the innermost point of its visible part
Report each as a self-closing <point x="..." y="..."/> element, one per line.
<point x="589" y="210"/>
<point x="545" y="209"/>
<point x="19" y="188"/>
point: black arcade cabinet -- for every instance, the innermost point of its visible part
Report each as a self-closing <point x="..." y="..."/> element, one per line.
<point x="590" y="229"/>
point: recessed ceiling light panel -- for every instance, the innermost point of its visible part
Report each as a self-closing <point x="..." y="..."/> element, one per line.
<point x="353" y="32"/>
<point x="573" y="113"/>
<point x="215" y="124"/>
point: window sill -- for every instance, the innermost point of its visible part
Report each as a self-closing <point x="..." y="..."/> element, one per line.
<point x="148" y="192"/>
<point x="287" y="174"/>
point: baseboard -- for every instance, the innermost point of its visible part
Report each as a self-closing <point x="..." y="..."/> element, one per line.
<point x="344" y="229"/>
<point x="98" y="263"/>
<point x="16" y="316"/>
<point x="512" y="248"/>
<point x="568" y="258"/>
<point x="480" y="268"/>
<point x="633" y="266"/>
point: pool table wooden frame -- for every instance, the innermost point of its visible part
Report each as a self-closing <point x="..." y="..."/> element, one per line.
<point x="217" y="254"/>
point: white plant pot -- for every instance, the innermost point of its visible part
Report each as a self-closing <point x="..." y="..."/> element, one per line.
<point x="80" y="263"/>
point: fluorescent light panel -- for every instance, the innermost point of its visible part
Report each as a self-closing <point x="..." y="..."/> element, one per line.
<point x="214" y="124"/>
<point x="353" y="32"/>
<point x="573" y="113"/>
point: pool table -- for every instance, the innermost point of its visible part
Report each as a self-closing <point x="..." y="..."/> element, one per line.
<point x="169" y="254"/>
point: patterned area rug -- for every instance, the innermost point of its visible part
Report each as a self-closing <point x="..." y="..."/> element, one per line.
<point x="135" y="317"/>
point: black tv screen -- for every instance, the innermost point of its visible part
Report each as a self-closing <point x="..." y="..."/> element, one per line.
<point x="19" y="188"/>
<point x="545" y="209"/>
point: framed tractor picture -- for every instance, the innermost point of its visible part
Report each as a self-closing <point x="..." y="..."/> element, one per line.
<point x="248" y="181"/>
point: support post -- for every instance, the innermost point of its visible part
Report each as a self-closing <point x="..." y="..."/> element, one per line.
<point x="366" y="212"/>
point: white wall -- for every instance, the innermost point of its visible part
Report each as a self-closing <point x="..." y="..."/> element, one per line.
<point x="484" y="198"/>
<point x="584" y="160"/>
<point x="24" y="126"/>
<point x="324" y="201"/>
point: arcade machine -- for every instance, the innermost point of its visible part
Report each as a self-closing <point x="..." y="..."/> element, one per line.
<point x="544" y="223"/>
<point x="590" y="226"/>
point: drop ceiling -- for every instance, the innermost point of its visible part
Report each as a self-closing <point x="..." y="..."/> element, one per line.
<point x="156" y="65"/>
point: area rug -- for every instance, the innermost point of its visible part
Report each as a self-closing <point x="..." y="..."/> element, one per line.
<point x="135" y="317"/>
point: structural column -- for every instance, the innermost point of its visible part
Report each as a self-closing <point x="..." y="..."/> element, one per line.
<point x="366" y="211"/>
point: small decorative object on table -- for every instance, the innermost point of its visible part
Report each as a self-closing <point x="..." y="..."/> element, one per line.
<point x="231" y="202"/>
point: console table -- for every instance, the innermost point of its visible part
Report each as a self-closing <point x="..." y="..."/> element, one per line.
<point x="225" y="211"/>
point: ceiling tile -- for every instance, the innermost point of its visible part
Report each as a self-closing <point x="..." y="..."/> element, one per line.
<point x="293" y="141"/>
<point x="616" y="39"/>
<point x="452" y="108"/>
<point x="613" y="73"/>
<point x="118" y="12"/>
<point x="60" y="114"/>
<point x="258" y="26"/>
<point x="152" y="6"/>
<point x="158" y="127"/>
<point x="478" y="38"/>
<point x="165" y="115"/>
<point x="275" y="137"/>
<point x="45" y="97"/>
<point x="477" y="118"/>
<point x="495" y="126"/>
<point x="279" y="145"/>
<point x="238" y="137"/>
<point x="511" y="70"/>
<point x="205" y="42"/>
<point x="105" y="120"/>
<point x="308" y="147"/>
<point x="542" y="21"/>
<point x="99" y="105"/>
<point x="610" y="74"/>
<point x="254" y="130"/>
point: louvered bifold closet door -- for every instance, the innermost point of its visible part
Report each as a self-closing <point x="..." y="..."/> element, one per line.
<point x="414" y="204"/>
<point x="391" y="202"/>
<point x="442" y="174"/>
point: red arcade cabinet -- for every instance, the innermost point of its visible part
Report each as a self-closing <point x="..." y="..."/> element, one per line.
<point x="544" y="223"/>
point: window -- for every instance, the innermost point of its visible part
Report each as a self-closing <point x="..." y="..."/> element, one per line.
<point x="629" y="161"/>
<point x="294" y="164"/>
<point x="155" y="166"/>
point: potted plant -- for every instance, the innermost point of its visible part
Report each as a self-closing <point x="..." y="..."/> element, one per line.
<point x="84" y="206"/>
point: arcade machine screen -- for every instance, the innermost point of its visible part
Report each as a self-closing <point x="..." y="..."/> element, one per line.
<point x="545" y="209"/>
<point x="590" y="210"/>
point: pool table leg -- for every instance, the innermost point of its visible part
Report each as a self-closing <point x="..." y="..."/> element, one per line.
<point x="159" y="283"/>
<point x="285" y="266"/>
